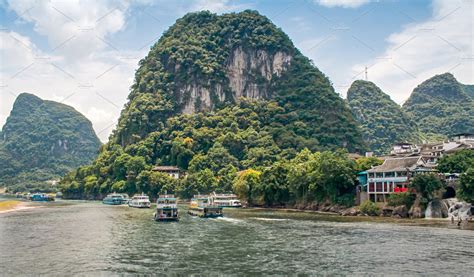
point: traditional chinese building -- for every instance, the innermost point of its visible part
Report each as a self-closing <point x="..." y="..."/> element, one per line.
<point x="392" y="176"/>
<point x="172" y="171"/>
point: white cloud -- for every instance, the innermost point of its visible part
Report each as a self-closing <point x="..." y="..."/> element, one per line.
<point x="76" y="28"/>
<point x="342" y="3"/>
<point x="80" y="69"/>
<point x="444" y="43"/>
<point x="97" y="87"/>
<point x="216" y="6"/>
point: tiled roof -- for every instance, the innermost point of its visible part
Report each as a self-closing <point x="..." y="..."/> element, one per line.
<point x="165" y="168"/>
<point x="397" y="164"/>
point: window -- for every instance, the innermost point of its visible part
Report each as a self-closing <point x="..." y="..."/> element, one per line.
<point x="402" y="173"/>
<point x="371" y="175"/>
<point x="378" y="186"/>
<point x="379" y="175"/>
<point x="389" y="174"/>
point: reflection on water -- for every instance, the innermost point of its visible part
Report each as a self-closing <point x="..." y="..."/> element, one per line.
<point x="91" y="238"/>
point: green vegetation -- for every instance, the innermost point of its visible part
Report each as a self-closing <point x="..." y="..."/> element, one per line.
<point x="43" y="140"/>
<point x="457" y="162"/>
<point x="425" y="186"/>
<point x="441" y="105"/>
<point x="466" y="186"/>
<point x="469" y="90"/>
<point x="382" y="120"/>
<point x="370" y="208"/>
<point x="296" y="109"/>
<point x="365" y="163"/>
<point x="461" y="162"/>
<point x="403" y="198"/>
<point x="269" y="175"/>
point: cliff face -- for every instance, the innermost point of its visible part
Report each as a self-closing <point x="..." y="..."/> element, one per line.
<point x="248" y="73"/>
<point x="441" y="105"/>
<point x="43" y="140"/>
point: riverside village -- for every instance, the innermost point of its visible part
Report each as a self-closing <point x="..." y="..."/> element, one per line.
<point x="406" y="161"/>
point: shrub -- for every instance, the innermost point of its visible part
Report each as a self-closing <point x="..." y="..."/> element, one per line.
<point x="346" y="200"/>
<point x="403" y="198"/>
<point x="370" y="208"/>
<point x="466" y="186"/>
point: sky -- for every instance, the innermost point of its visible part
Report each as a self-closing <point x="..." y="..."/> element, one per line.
<point x="84" y="53"/>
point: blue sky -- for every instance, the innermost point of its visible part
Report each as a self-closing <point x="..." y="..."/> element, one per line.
<point x="84" y="53"/>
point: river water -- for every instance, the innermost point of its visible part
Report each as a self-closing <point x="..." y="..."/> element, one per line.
<point x="88" y="238"/>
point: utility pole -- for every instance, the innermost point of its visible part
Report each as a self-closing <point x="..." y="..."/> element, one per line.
<point x="366" y="78"/>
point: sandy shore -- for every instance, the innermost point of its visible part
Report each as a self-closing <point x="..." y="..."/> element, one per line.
<point x="12" y="206"/>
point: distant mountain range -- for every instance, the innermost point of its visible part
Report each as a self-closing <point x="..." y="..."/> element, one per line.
<point x="437" y="108"/>
<point x="383" y="121"/>
<point x="42" y="140"/>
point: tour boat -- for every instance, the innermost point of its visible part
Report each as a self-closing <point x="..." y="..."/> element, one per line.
<point x="166" y="208"/>
<point x="225" y="200"/>
<point x="115" y="199"/>
<point x="201" y="206"/>
<point x="140" y="201"/>
<point x="126" y="199"/>
<point x="41" y="197"/>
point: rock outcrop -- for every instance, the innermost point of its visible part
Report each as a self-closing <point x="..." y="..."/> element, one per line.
<point x="249" y="73"/>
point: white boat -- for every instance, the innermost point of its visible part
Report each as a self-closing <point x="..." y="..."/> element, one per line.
<point x="140" y="201"/>
<point x="115" y="199"/>
<point x="225" y="200"/>
<point x="166" y="208"/>
<point x="201" y="206"/>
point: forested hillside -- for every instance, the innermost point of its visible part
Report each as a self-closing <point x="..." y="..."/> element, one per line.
<point x="440" y="105"/>
<point x="382" y="120"/>
<point x="43" y="140"/>
<point x="214" y="96"/>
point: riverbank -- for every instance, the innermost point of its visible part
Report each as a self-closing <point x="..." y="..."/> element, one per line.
<point x="8" y="206"/>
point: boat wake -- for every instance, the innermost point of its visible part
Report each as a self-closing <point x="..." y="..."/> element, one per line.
<point x="233" y="220"/>
<point x="270" y="219"/>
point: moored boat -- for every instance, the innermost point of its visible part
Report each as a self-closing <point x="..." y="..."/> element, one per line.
<point x="114" y="199"/>
<point x="140" y="201"/>
<point x="41" y="197"/>
<point x="201" y="206"/>
<point x="166" y="208"/>
<point x="225" y="200"/>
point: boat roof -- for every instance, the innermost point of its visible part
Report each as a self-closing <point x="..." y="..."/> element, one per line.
<point x="166" y="198"/>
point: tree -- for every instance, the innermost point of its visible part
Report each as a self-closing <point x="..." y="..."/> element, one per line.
<point x="366" y="163"/>
<point x="458" y="162"/>
<point x="154" y="183"/>
<point x="273" y="188"/>
<point x="245" y="183"/>
<point x="466" y="186"/>
<point x="201" y="182"/>
<point x="134" y="166"/>
<point x="425" y="185"/>
<point x="226" y="177"/>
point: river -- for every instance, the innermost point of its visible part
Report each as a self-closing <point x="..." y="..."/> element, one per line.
<point x="88" y="238"/>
